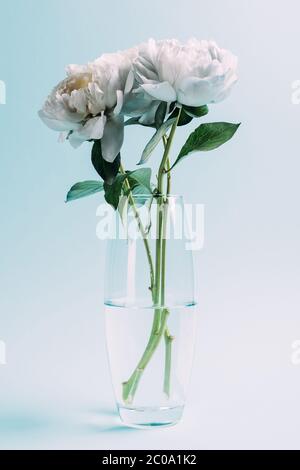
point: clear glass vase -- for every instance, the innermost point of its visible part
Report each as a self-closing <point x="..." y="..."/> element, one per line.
<point x="150" y="309"/>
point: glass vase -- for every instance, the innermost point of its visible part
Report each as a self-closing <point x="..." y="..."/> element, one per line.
<point x="150" y="309"/>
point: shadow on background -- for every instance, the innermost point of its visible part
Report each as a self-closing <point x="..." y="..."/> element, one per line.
<point x="29" y="423"/>
<point x="103" y="419"/>
<point x="19" y="422"/>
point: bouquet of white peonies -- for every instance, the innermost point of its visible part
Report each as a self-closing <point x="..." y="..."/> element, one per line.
<point x="160" y="84"/>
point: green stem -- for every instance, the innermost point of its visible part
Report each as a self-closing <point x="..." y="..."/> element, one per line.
<point x="130" y="387"/>
<point x="158" y="326"/>
<point x="168" y="360"/>
<point x="141" y="228"/>
<point x="161" y="314"/>
<point x="162" y="168"/>
<point x="167" y="336"/>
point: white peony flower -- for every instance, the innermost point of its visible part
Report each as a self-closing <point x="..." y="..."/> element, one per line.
<point x="66" y="106"/>
<point x="194" y="74"/>
<point x="88" y="102"/>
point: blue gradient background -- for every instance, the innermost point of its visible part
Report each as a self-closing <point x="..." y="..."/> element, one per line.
<point x="55" y="390"/>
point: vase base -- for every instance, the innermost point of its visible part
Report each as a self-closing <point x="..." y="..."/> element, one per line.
<point x="149" y="417"/>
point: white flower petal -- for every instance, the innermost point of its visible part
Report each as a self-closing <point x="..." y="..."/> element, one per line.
<point x="119" y="105"/>
<point x="74" y="69"/>
<point x="129" y="83"/>
<point x="89" y="93"/>
<point x="195" y="91"/>
<point x="62" y="137"/>
<point x="160" y="91"/>
<point x="230" y="81"/>
<point x="112" y="139"/>
<point x="92" y="130"/>
<point x="78" y="101"/>
<point x="149" y="117"/>
<point x="137" y="103"/>
<point x="95" y="127"/>
<point x="56" y="124"/>
<point x="77" y="138"/>
<point x="195" y="73"/>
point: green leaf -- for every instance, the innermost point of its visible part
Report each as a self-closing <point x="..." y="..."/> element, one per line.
<point x="160" y="114"/>
<point x="184" y="117"/>
<point x="136" y="120"/>
<point x="141" y="178"/>
<point x="172" y="106"/>
<point x="140" y="184"/>
<point x="107" y="171"/>
<point x="198" y="112"/>
<point x="141" y="197"/>
<point x="207" y="137"/>
<point x="132" y="121"/>
<point x="155" y="140"/>
<point x="113" y="191"/>
<point x="83" y="189"/>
